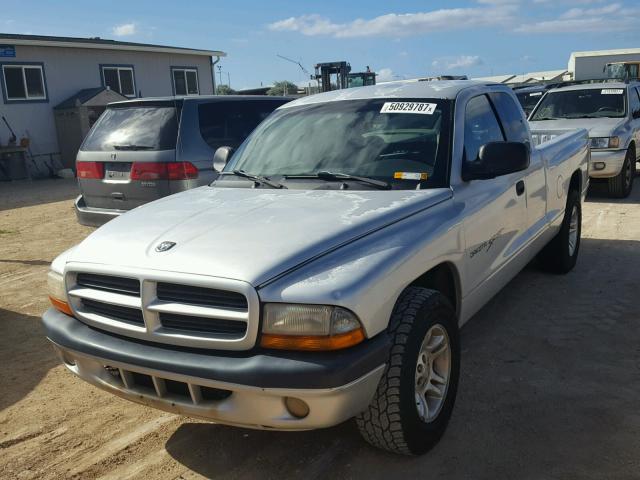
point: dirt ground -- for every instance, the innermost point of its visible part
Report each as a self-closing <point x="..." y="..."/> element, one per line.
<point x="550" y="384"/>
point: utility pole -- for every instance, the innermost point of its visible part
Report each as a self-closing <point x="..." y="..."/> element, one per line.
<point x="220" y="73"/>
<point x="229" y="79"/>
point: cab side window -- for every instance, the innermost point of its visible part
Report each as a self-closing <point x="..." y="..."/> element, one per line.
<point x="480" y="126"/>
<point x="634" y="103"/>
<point x="511" y="117"/>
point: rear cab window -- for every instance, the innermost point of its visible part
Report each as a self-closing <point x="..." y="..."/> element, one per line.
<point x="510" y="116"/>
<point x="228" y="123"/>
<point x="138" y="126"/>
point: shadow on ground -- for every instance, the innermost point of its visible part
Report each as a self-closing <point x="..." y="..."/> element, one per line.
<point x="26" y="193"/>
<point x="598" y="193"/>
<point x="25" y="357"/>
<point x="549" y="389"/>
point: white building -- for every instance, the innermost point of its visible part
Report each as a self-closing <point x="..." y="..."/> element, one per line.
<point x="590" y="65"/>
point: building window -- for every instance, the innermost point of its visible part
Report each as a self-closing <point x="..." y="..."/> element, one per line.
<point x="185" y="81"/>
<point x="23" y="82"/>
<point x="119" y="79"/>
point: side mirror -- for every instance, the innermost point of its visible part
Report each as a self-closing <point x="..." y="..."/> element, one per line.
<point x="221" y="157"/>
<point x="496" y="159"/>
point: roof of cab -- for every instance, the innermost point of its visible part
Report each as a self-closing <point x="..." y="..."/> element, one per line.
<point x="199" y="99"/>
<point x="444" y="89"/>
<point x="595" y="85"/>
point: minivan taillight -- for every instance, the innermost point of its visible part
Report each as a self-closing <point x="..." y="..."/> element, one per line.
<point x="163" y="171"/>
<point x="90" y="170"/>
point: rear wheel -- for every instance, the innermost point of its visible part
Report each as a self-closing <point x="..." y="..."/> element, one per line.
<point x="561" y="253"/>
<point x="621" y="185"/>
<point x="415" y="397"/>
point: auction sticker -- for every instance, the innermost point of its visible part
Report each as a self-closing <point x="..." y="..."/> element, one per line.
<point x="409" y="107"/>
<point x="612" y="91"/>
<point x="410" y="176"/>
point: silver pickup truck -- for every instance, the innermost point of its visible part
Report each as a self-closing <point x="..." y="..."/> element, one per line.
<point x="326" y="273"/>
<point x="610" y="111"/>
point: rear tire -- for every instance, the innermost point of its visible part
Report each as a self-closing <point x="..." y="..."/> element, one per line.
<point x="415" y="397"/>
<point x="561" y="253"/>
<point x="621" y="185"/>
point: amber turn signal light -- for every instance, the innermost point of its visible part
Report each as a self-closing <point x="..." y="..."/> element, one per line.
<point x="61" y="306"/>
<point x="312" y="342"/>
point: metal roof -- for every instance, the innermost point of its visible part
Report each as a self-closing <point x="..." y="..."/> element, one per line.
<point x="598" y="53"/>
<point x="448" y="89"/>
<point x="100" y="43"/>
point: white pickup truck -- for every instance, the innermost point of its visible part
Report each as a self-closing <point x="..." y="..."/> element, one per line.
<point x="327" y="271"/>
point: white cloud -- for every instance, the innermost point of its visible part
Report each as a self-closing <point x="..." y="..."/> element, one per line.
<point x="124" y="29"/>
<point x="385" y="75"/>
<point x="454" y="63"/>
<point x="610" y="18"/>
<point x="400" y="25"/>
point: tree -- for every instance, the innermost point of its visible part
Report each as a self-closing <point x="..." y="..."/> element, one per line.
<point x="283" y="88"/>
<point x="225" y="90"/>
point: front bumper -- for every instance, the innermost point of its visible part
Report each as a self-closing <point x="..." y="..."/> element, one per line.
<point x="612" y="160"/>
<point x="94" y="217"/>
<point x="236" y="388"/>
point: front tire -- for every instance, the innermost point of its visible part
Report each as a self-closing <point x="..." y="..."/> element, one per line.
<point x="561" y="253"/>
<point x="621" y="185"/>
<point x="415" y="397"/>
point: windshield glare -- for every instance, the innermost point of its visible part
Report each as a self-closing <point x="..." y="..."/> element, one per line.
<point x="150" y="128"/>
<point x="352" y="137"/>
<point x="588" y="103"/>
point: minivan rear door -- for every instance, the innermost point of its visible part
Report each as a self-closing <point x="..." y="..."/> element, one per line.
<point x="121" y="161"/>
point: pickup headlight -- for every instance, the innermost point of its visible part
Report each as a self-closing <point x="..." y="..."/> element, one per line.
<point x="605" y="142"/>
<point x="57" y="292"/>
<point x="309" y="327"/>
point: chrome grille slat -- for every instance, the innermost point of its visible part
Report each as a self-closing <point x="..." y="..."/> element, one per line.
<point x="124" y="286"/>
<point x="106" y="297"/>
<point x="212" y="326"/>
<point x="172" y="292"/>
<point x="123" y="314"/>
<point x="196" y="311"/>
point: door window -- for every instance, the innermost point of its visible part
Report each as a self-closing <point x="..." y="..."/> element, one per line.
<point x="510" y="117"/>
<point x="634" y="103"/>
<point x="480" y="126"/>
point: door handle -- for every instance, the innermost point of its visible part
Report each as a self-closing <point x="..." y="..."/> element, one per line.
<point x="117" y="195"/>
<point x="520" y="187"/>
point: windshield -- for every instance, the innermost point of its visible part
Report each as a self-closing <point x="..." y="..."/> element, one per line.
<point x="588" y="103"/>
<point x="528" y="100"/>
<point x="401" y="142"/>
<point x="134" y="128"/>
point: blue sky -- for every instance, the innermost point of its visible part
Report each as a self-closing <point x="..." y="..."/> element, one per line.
<point x="400" y="39"/>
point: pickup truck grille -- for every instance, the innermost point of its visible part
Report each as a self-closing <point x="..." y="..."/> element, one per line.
<point x="210" y="297"/>
<point x="216" y="313"/>
<point x="123" y="314"/>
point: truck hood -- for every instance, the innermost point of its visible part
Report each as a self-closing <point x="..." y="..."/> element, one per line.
<point x="597" y="127"/>
<point x="246" y="234"/>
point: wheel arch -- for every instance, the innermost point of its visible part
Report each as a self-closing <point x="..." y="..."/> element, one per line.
<point x="576" y="181"/>
<point x="444" y="278"/>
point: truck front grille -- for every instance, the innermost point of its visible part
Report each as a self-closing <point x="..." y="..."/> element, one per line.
<point x="210" y="297"/>
<point x="216" y="313"/>
<point x="211" y="326"/>
<point x="108" y="283"/>
<point x="117" y="312"/>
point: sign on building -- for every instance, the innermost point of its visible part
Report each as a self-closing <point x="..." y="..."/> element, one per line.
<point x="7" y="51"/>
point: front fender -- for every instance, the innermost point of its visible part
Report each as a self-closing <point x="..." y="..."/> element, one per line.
<point x="368" y="275"/>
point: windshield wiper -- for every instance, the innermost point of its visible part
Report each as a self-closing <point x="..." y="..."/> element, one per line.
<point x="258" y="179"/>
<point x="380" y="184"/>
<point x="133" y="147"/>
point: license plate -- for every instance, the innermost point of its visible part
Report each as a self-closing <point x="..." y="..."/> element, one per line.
<point x="117" y="171"/>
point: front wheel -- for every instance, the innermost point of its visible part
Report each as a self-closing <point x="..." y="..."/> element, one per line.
<point x="415" y="397"/>
<point x="621" y="185"/>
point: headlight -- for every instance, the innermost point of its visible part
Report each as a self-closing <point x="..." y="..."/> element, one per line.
<point x="57" y="292"/>
<point x="605" y="142"/>
<point x="309" y="327"/>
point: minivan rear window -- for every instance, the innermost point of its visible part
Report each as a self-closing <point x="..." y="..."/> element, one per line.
<point x="134" y="128"/>
<point x="227" y="124"/>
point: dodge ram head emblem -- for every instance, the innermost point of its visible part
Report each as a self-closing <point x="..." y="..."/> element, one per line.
<point x="164" y="246"/>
